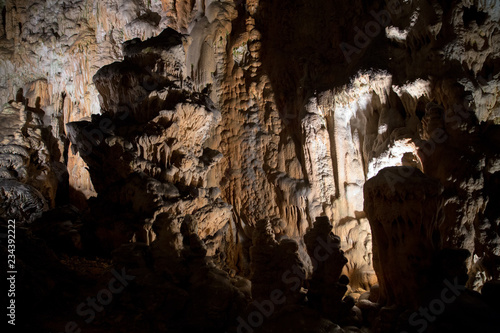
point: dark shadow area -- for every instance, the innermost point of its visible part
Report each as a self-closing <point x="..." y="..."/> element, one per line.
<point x="151" y="17"/>
<point x="20" y="95"/>
<point x="77" y="198"/>
<point x="301" y="47"/>
<point x="472" y="14"/>
<point x="491" y="67"/>
<point x="4" y="13"/>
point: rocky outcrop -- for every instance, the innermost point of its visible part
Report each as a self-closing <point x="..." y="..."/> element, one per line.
<point x="177" y="280"/>
<point x="406" y="211"/>
<point x="468" y="207"/>
<point x="147" y="155"/>
<point x="326" y="288"/>
<point x="303" y="124"/>
<point x="401" y="204"/>
<point x="30" y="167"/>
<point x="276" y="266"/>
<point x="233" y="112"/>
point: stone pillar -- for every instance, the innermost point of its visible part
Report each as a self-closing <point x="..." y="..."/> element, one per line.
<point x="327" y="287"/>
<point x="404" y="207"/>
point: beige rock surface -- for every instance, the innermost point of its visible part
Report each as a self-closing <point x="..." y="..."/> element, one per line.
<point x="300" y="128"/>
<point x="27" y="163"/>
<point x="202" y="139"/>
<point x="147" y="154"/>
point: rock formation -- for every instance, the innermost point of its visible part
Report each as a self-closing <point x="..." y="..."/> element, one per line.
<point x="28" y="180"/>
<point x="326" y="287"/>
<point x="147" y="153"/>
<point x="180" y="135"/>
<point x="275" y="266"/>
<point x="405" y="210"/>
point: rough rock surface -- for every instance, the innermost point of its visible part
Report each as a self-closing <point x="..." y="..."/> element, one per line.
<point x="304" y="122"/>
<point x="147" y="154"/>
<point x="239" y="111"/>
<point x="405" y="210"/>
<point x="275" y="266"/>
<point x="28" y="182"/>
<point x="326" y="288"/>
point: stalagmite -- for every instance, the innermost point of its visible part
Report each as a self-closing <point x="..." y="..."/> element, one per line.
<point x="405" y="210"/>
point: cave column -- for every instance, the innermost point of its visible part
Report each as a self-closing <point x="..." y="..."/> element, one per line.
<point x="404" y="208"/>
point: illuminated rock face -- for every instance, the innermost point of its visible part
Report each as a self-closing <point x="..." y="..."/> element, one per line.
<point x="29" y="160"/>
<point x="201" y="140"/>
<point x="299" y="122"/>
<point x="147" y="153"/>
